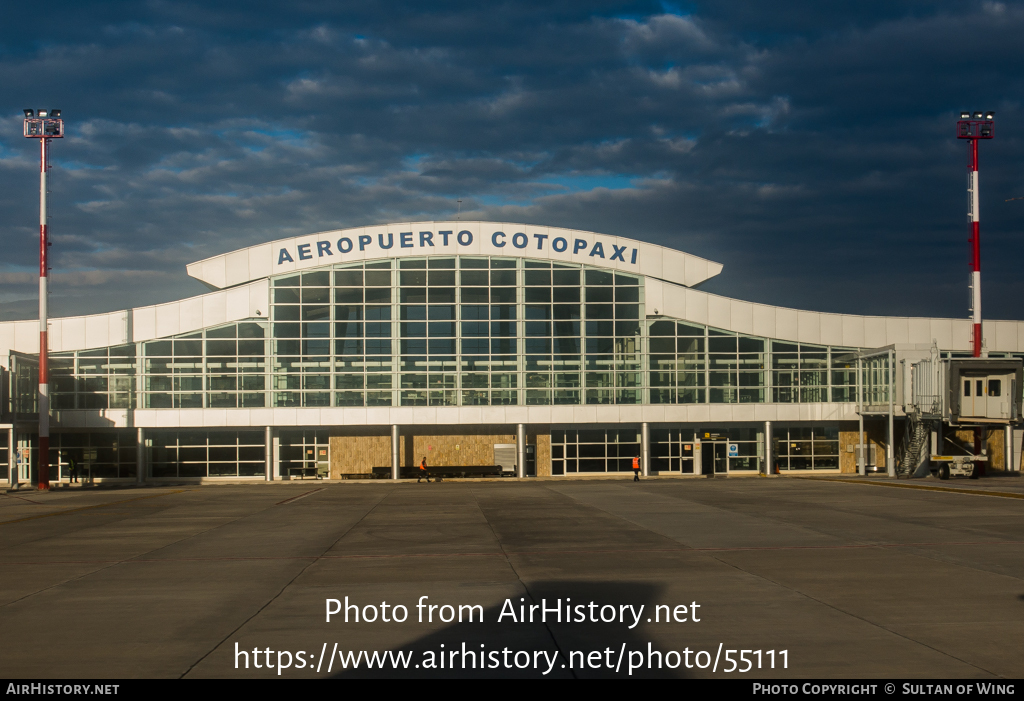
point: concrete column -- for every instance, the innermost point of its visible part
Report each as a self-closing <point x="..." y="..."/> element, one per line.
<point x="275" y="456"/>
<point x="520" y="450"/>
<point x="767" y="447"/>
<point x="140" y="455"/>
<point x="645" y="449"/>
<point x="268" y="454"/>
<point x="395" y="452"/>
<point x="12" y="463"/>
<point x="1018" y="439"/>
<point x="890" y="457"/>
<point x="861" y="447"/>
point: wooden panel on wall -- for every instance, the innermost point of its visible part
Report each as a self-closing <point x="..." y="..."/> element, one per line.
<point x="453" y="446"/>
<point x="847" y="457"/>
<point x="355" y="455"/>
<point x="452" y="450"/>
<point x="996" y="449"/>
<point x="874" y="433"/>
<point x="542" y="440"/>
<point x="443" y="446"/>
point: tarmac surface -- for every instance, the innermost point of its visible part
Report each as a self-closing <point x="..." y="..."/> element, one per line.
<point x="853" y="578"/>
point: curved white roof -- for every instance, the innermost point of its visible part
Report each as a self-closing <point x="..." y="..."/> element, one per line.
<point x="244" y="273"/>
<point x="428" y="238"/>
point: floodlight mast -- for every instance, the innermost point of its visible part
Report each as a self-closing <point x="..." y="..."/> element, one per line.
<point x="43" y="125"/>
<point x="973" y="127"/>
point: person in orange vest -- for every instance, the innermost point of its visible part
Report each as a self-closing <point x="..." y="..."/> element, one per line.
<point x="636" y="469"/>
<point x="423" y="471"/>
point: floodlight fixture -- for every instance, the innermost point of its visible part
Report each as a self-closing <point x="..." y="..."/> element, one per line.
<point x="976" y="125"/>
<point x="45" y="124"/>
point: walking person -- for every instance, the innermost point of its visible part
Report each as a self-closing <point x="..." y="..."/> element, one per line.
<point x="423" y="471"/>
<point x="636" y="469"/>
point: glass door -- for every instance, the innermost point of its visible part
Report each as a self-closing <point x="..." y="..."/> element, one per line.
<point x="714" y="457"/>
<point x="24" y="459"/>
<point x="721" y="458"/>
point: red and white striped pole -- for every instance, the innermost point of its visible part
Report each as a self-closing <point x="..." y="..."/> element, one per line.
<point x="973" y="214"/>
<point x="44" y="347"/>
<point x="975" y="126"/>
<point x="979" y="125"/>
<point x="44" y="125"/>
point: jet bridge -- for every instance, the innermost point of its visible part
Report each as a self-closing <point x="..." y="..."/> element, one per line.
<point x="935" y="394"/>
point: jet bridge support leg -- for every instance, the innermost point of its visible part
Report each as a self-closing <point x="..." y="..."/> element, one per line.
<point x="979" y="441"/>
<point x="890" y="457"/>
<point x="1008" y="449"/>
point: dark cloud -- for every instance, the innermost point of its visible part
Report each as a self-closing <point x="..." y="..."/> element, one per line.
<point x="807" y="146"/>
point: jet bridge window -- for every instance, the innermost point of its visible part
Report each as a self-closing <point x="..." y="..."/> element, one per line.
<point x="995" y="388"/>
<point x="967" y="388"/>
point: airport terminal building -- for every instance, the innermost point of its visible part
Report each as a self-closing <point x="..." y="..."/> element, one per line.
<point x="545" y="351"/>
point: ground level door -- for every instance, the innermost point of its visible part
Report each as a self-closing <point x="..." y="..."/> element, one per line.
<point x="714" y="456"/>
<point x="25" y="459"/>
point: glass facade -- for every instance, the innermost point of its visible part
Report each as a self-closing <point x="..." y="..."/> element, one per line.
<point x="99" y="454"/>
<point x="594" y="450"/>
<point x="103" y="378"/>
<point x="703" y="450"/>
<point x="683" y="450"/>
<point x="692" y="364"/>
<point x="205" y="453"/>
<point x="452" y="331"/>
<point x="807" y="447"/>
<point x="300" y="450"/>
<point x="222" y="367"/>
<point x="449" y="331"/>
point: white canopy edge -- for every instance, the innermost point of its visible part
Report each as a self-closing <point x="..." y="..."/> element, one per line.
<point x="431" y="238"/>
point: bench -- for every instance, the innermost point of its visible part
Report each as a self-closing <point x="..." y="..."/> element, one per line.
<point x="317" y="472"/>
<point x="434" y="471"/>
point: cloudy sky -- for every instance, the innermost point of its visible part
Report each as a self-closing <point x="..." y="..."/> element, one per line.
<point x="808" y="146"/>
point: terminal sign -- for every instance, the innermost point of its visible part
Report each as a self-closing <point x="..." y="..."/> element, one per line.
<point x="431" y="241"/>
